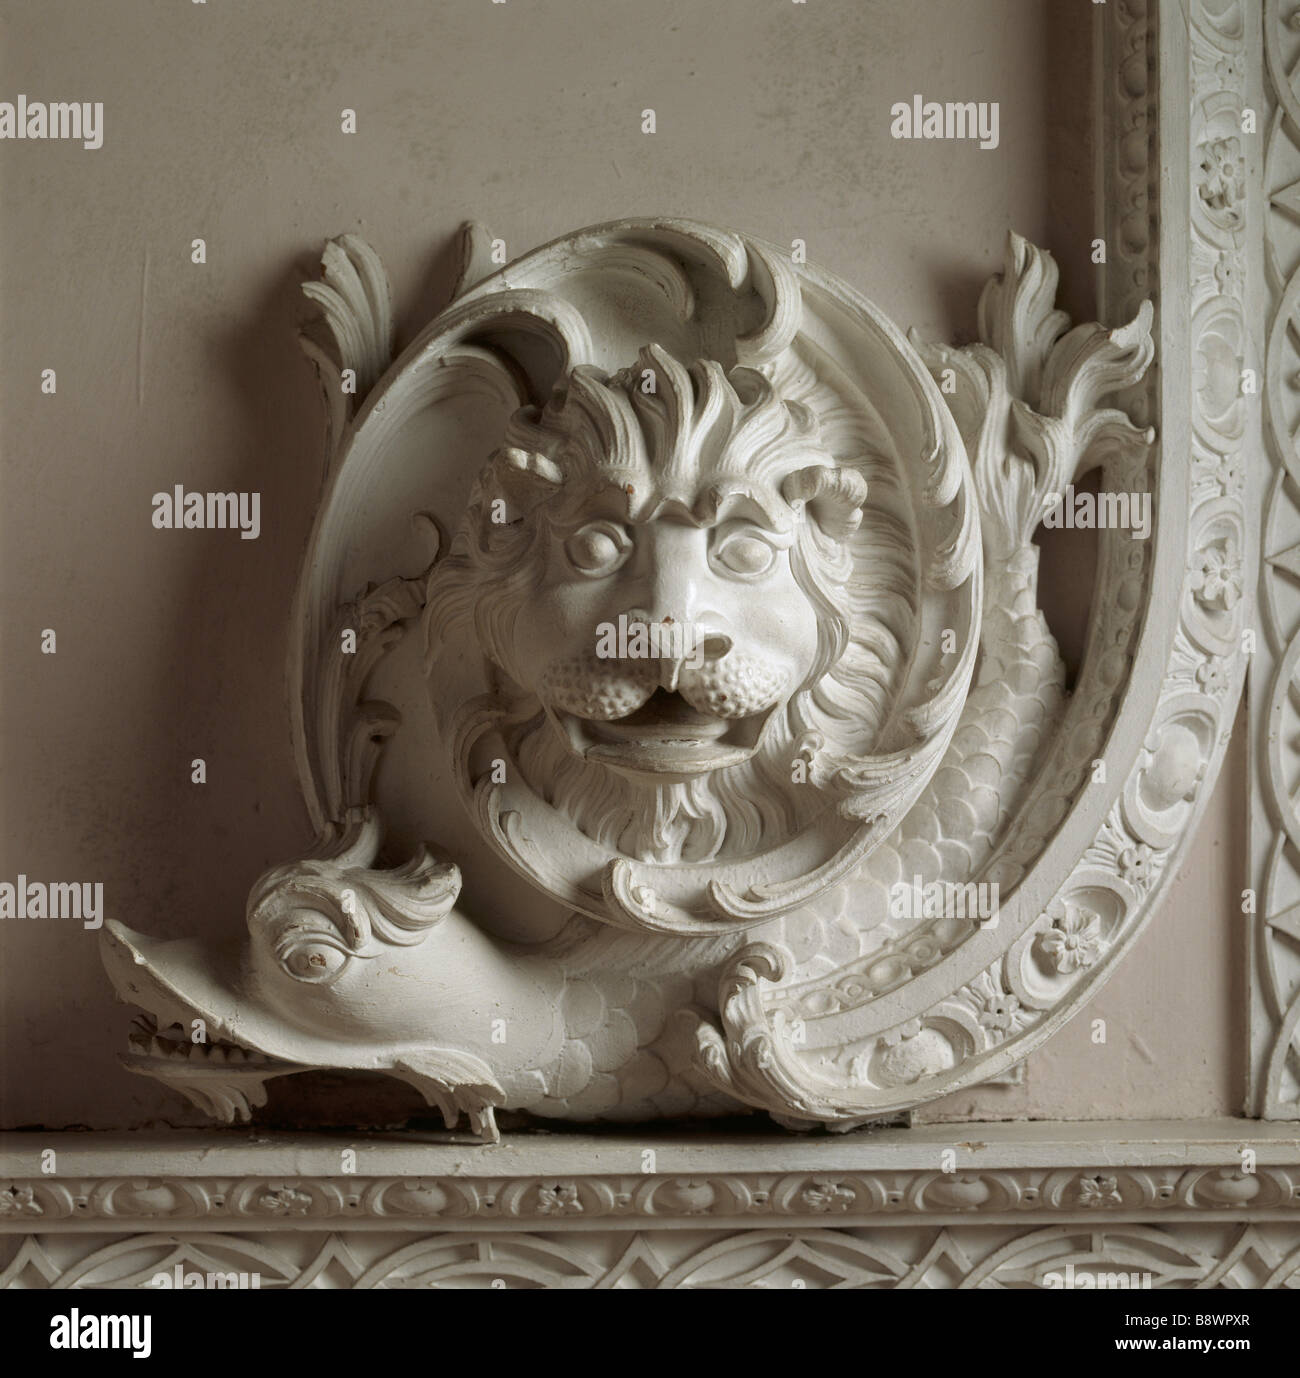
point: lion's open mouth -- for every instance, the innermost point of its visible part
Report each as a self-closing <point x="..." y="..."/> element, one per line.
<point x="666" y="735"/>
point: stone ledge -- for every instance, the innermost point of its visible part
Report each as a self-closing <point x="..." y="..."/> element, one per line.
<point x="999" y="1173"/>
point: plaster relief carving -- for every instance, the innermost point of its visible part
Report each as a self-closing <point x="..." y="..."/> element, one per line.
<point x="688" y="612"/>
<point x="1182" y="1257"/>
<point x="1274" y="819"/>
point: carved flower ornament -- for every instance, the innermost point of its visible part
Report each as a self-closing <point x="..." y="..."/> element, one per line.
<point x="1136" y="864"/>
<point x="1074" y="939"/>
<point x="1223" y="186"/>
<point x="1217" y="576"/>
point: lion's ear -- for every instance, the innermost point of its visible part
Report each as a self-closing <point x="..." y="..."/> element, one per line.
<point x="833" y="496"/>
<point x="519" y="478"/>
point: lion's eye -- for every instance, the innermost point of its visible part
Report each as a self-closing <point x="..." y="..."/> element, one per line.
<point x="745" y="555"/>
<point x="599" y="548"/>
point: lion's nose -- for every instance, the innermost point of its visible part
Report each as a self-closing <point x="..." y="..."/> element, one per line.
<point x="702" y="648"/>
<point x="715" y="645"/>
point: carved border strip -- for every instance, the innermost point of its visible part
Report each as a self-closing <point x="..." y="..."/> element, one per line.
<point x="1274" y="955"/>
<point x="1222" y="347"/>
<point x="1232" y="1169"/>
<point x="1127" y="191"/>
<point x="964" y="1257"/>
<point x="584" y="1201"/>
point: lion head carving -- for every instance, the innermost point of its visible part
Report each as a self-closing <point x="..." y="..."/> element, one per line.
<point x="687" y="595"/>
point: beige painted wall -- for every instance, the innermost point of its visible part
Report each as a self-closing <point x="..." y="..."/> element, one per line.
<point x="222" y="122"/>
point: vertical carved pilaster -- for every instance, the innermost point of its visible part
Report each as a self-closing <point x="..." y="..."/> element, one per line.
<point x="1274" y="1081"/>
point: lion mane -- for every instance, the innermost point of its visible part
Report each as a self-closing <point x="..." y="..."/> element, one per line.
<point x="784" y="429"/>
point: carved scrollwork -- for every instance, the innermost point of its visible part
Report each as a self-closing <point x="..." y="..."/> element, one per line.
<point x="732" y="654"/>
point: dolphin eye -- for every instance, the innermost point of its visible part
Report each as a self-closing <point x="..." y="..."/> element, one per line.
<point x="745" y="554"/>
<point x="310" y="952"/>
<point x="598" y="548"/>
<point x="315" y="961"/>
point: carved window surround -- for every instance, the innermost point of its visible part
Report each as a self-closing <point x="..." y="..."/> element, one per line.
<point x="1183" y="190"/>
